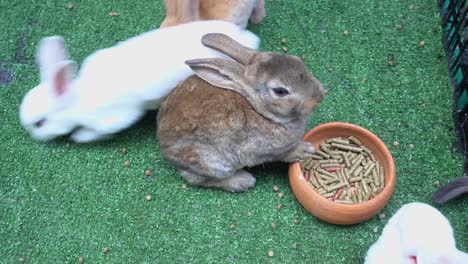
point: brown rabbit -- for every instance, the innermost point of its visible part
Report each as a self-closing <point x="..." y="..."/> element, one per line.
<point x="234" y="11"/>
<point x="234" y="114"/>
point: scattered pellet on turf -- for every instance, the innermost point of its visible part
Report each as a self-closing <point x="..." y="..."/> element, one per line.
<point x="376" y="229"/>
<point x="149" y="197"/>
<point x="70" y="6"/>
<point x="124" y="150"/>
<point x="249" y="214"/>
<point x="436" y="183"/>
<point x="364" y="80"/>
<point x="411" y="146"/>
<point x="275" y="188"/>
<point x="346" y="32"/>
<point x="147" y="172"/>
<point x="80" y="259"/>
<point x="296" y="221"/>
<point x="127" y="164"/>
<point x="422" y="43"/>
<point x="67" y="145"/>
<point x="184" y="186"/>
<point x="279" y="206"/>
<point x="113" y="14"/>
<point x="330" y="69"/>
<point x="285" y="49"/>
<point x="271" y="253"/>
<point x="396" y="143"/>
<point x="399" y="27"/>
<point x="392" y="62"/>
<point x="294" y="245"/>
<point x="22" y="260"/>
<point x="280" y="195"/>
<point x="303" y="57"/>
<point x="381" y="216"/>
<point x="105" y="250"/>
<point x="423" y="106"/>
<point x="283" y="40"/>
<point x="232" y="226"/>
<point x="273" y="225"/>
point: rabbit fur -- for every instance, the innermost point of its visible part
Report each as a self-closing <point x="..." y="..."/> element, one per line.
<point x="234" y="114"/>
<point x="235" y="11"/>
<point x="417" y="234"/>
<point x="116" y="85"/>
<point x="451" y="190"/>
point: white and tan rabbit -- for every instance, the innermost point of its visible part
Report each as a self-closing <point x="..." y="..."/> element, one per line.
<point x="417" y="234"/>
<point x="116" y="85"/>
<point x="236" y="114"/>
<point x="238" y="12"/>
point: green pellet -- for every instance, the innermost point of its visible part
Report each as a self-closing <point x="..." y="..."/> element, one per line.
<point x="323" y="154"/>
<point x="354" y="197"/>
<point x="340" y="141"/>
<point x="355" y="140"/>
<point x="340" y="201"/>
<point x="369" y="169"/>
<point x="329" y="165"/>
<point x="316" y="157"/>
<point x="347" y="147"/>
<point x="358" y="171"/>
<point x="342" y="195"/>
<point x="327" y="182"/>
<point x="326" y="173"/>
<point x="336" y="186"/>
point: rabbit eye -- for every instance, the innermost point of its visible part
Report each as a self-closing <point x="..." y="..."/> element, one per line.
<point x="39" y="123"/>
<point x="280" y="91"/>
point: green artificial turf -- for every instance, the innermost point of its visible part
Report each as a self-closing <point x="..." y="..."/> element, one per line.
<point x="60" y="201"/>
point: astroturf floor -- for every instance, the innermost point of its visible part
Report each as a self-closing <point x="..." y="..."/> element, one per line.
<point x="62" y="200"/>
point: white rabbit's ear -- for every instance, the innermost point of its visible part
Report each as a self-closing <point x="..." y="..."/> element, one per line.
<point x="50" y="53"/>
<point x="222" y="73"/>
<point x="62" y="77"/>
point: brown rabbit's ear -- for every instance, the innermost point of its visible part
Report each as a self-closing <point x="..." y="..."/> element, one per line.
<point x="451" y="190"/>
<point x="228" y="46"/>
<point x="219" y="72"/>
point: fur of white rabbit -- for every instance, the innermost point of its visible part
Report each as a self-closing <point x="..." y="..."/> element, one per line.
<point x="116" y="85"/>
<point x="417" y="234"/>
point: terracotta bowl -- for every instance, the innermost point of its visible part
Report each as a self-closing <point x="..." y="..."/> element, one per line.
<point x="330" y="211"/>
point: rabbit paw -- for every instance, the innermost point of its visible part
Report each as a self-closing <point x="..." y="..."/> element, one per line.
<point x="258" y="13"/>
<point x="84" y="135"/>
<point x="302" y="152"/>
<point x="239" y="182"/>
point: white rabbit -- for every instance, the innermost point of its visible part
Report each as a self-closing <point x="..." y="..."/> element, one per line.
<point x="116" y="85"/>
<point x="416" y="234"/>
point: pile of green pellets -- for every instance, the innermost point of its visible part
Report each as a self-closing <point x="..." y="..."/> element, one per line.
<point x="345" y="171"/>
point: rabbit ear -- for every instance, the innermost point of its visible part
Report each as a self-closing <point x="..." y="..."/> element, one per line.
<point x="451" y="190"/>
<point x="62" y="77"/>
<point x="222" y="73"/>
<point x="228" y="46"/>
<point x="51" y="52"/>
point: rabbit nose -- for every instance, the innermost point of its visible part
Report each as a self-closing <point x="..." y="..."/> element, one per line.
<point x="39" y="123"/>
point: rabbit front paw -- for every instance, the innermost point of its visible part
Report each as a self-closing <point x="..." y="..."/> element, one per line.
<point x="303" y="151"/>
<point x="84" y="135"/>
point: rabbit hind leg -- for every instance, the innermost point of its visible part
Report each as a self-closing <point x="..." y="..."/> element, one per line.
<point x="239" y="182"/>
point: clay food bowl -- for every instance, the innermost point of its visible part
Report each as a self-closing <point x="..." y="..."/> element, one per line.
<point x="330" y="211"/>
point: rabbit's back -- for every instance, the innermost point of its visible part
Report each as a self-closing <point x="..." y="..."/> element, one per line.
<point x="197" y="113"/>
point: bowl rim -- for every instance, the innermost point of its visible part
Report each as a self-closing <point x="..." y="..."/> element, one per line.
<point x="390" y="177"/>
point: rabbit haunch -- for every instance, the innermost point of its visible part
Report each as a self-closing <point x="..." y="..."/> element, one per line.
<point x="234" y="11"/>
<point x="237" y="113"/>
<point x="116" y="85"/>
